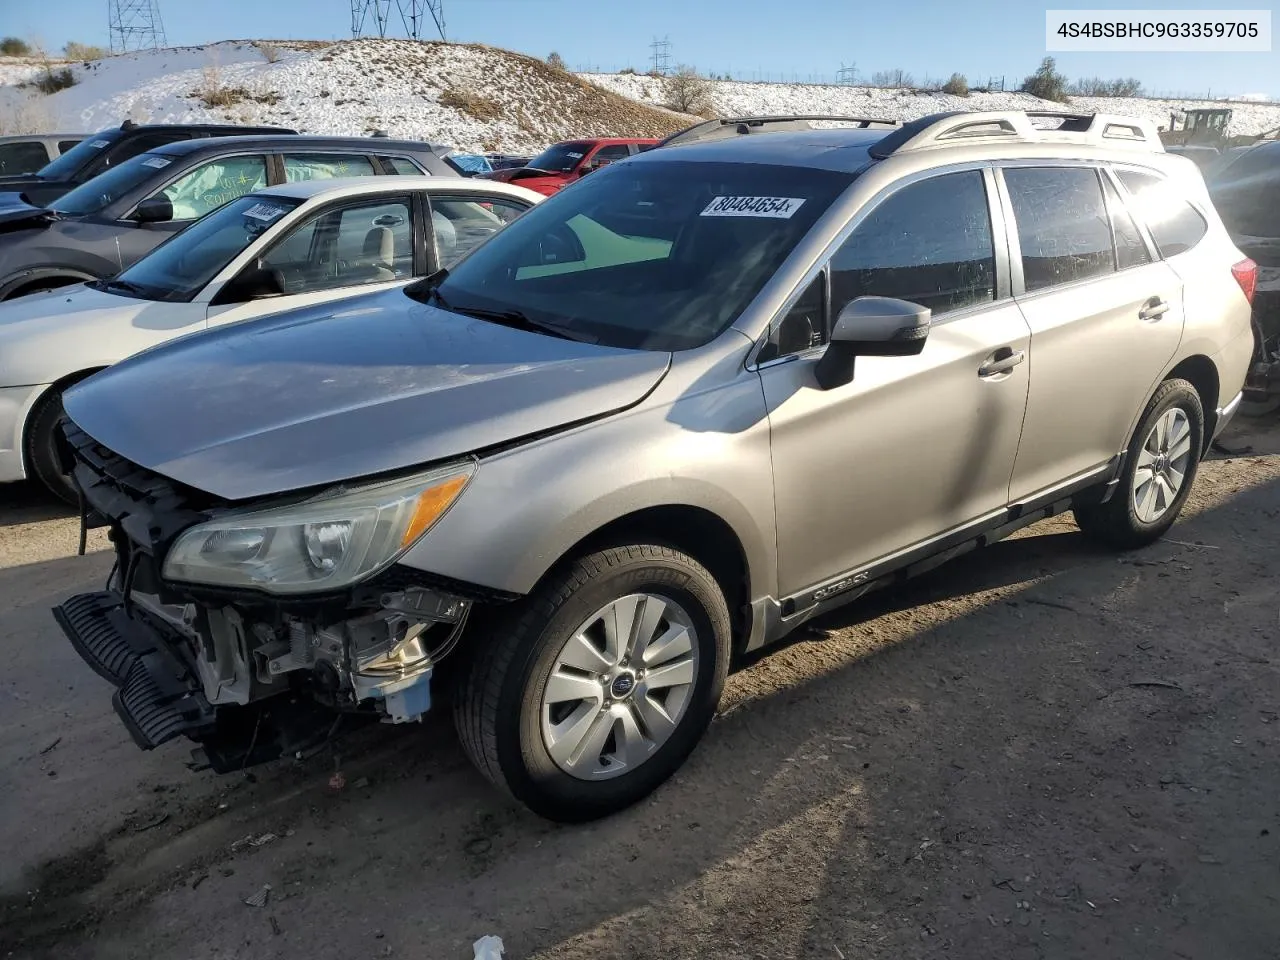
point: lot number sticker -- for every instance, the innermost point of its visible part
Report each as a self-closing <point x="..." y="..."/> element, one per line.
<point x="777" y="208"/>
<point x="264" y="211"/>
<point x="157" y="163"/>
<point x="99" y="144"/>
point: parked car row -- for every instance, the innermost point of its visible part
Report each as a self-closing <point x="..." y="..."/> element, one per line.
<point x="557" y="474"/>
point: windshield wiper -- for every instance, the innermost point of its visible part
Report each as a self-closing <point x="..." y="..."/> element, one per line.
<point x="520" y="321"/>
<point x="125" y="286"/>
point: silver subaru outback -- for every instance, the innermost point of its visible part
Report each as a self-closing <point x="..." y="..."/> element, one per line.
<point x="669" y="415"/>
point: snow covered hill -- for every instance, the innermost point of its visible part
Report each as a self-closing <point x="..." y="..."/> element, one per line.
<point x="737" y="98"/>
<point x="471" y="96"/>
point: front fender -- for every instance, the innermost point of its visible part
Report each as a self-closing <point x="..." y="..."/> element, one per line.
<point x="526" y="508"/>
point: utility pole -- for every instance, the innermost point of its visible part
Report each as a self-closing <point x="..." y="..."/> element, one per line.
<point x="413" y="14"/>
<point x="135" y="25"/>
<point x="661" y="55"/>
<point x="847" y="76"/>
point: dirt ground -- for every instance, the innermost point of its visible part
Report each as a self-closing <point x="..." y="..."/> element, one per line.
<point x="1041" y="751"/>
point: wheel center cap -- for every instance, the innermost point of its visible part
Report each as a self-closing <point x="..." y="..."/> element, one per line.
<point x="622" y="685"/>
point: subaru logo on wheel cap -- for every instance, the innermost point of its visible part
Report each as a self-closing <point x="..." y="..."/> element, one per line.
<point x="622" y="685"/>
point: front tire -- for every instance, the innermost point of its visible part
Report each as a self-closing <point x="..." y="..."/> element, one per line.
<point x="592" y="691"/>
<point x="43" y="439"/>
<point x="1158" y="472"/>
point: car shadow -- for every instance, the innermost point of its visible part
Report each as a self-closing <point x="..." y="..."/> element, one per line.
<point x="27" y="502"/>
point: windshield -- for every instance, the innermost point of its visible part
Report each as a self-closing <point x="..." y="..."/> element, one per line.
<point x="179" y="268"/>
<point x="561" y="158"/>
<point x="78" y="156"/>
<point x="110" y="185"/>
<point x="653" y="256"/>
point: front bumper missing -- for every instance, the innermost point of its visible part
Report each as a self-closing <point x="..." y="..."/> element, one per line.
<point x="159" y="698"/>
<point x="155" y="703"/>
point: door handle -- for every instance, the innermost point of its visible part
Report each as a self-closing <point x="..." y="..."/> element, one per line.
<point x="1154" y="309"/>
<point x="1002" y="361"/>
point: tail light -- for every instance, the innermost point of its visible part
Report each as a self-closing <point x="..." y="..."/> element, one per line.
<point x="1246" y="274"/>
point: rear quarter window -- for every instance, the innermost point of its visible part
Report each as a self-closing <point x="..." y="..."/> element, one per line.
<point x="1175" y="225"/>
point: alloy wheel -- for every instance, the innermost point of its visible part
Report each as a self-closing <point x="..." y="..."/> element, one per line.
<point x="619" y="686"/>
<point x="1162" y="465"/>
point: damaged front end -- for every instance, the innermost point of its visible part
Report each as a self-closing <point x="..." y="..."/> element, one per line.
<point x="248" y="673"/>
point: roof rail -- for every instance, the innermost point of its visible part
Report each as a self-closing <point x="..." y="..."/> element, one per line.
<point x="1019" y="126"/>
<point x="727" y="127"/>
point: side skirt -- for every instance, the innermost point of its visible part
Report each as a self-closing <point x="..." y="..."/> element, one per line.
<point x="780" y="618"/>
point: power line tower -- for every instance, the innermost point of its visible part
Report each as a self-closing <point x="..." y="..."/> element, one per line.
<point x="661" y="56"/>
<point x="374" y="12"/>
<point x="135" y="25"/>
<point x="414" y="13"/>
<point x="847" y="75"/>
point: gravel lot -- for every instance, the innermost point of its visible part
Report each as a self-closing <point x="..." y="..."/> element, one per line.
<point x="1041" y="751"/>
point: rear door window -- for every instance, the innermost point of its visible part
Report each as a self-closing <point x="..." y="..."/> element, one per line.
<point x="1175" y="225"/>
<point x="1131" y="249"/>
<point x="1063" y="227"/>
<point x="461" y="223"/>
<point x="65" y="145"/>
<point x="319" y="166"/>
<point x="403" y="166"/>
<point x="16" y="158"/>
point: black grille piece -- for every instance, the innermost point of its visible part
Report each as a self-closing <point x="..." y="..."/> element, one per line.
<point x="97" y="628"/>
<point x="151" y="510"/>
<point x="156" y="707"/>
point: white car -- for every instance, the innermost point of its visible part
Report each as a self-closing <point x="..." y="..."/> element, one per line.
<point x="283" y="247"/>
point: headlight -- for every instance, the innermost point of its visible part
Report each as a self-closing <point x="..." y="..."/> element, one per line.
<point x="326" y="543"/>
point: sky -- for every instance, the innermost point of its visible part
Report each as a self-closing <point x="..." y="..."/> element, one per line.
<point x="752" y="39"/>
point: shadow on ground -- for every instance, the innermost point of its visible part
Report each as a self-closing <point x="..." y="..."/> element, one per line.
<point x="1042" y="750"/>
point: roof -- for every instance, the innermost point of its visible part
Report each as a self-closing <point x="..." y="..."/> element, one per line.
<point x="843" y="150"/>
<point x="184" y="148"/>
<point x="959" y="135"/>
<point x="15" y="138"/>
<point x="366" y="186"/>
<point x="598" y="140"/>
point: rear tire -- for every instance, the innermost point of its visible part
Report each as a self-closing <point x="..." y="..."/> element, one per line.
<point x="1158" y="472"/>
<point x="574" y="726"/>
<point x="43" y="437"/>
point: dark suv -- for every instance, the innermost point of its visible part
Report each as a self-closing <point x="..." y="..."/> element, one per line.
<point x="109" y="148"/>
<point x="103" y="226"/>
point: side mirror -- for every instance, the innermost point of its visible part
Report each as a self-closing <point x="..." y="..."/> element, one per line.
<point x="587" y="168"/>
<point x="158" y="209"/>
<point x="253" y="283"/>
<point x="872" y="327"/>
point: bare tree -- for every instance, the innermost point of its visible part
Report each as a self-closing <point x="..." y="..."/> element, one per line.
<point x="897" y="77"/>
<point x="556" y="62"/>
<point x="1097" y="87"/>
<point x="688" y="91"/>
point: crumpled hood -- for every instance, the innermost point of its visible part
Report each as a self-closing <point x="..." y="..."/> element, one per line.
<point x="339" y="392"/>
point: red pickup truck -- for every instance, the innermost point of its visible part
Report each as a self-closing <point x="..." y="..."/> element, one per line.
<point x="563" y="163"/>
